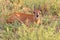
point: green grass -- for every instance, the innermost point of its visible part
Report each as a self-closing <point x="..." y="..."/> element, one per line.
<point x="48" y="30"/>
<point x="22" y="32"/>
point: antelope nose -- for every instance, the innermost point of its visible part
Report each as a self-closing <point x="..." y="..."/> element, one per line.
<point x="37" y="15"/>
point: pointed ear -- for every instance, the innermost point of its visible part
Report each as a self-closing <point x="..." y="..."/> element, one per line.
<point x="39" y="11"/>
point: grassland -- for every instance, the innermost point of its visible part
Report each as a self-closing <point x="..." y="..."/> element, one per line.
<point x="49" y="29"/>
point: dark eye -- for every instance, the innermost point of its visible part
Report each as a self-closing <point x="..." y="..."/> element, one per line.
<point x="33" y="12"/>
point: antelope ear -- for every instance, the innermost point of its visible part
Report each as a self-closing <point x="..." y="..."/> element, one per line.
<point x="39" y="11"/>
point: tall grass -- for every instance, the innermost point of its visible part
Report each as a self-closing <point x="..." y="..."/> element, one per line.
<point x="48" y="30"/>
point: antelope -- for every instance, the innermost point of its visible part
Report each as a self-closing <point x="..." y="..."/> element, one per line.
<point x="25" y="18"/>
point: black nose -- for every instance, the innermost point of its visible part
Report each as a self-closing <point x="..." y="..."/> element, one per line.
<point x="37" y="15"/>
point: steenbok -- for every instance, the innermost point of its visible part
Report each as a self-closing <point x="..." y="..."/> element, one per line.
<point x="25" y="18"/>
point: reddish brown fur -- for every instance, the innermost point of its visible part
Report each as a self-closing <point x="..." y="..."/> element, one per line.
<point x="22" y="17"/>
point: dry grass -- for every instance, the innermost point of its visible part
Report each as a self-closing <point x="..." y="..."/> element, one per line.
<point x="48" y="30"/>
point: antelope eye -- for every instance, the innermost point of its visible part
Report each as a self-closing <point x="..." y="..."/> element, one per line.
<point x="33" y="12"/>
